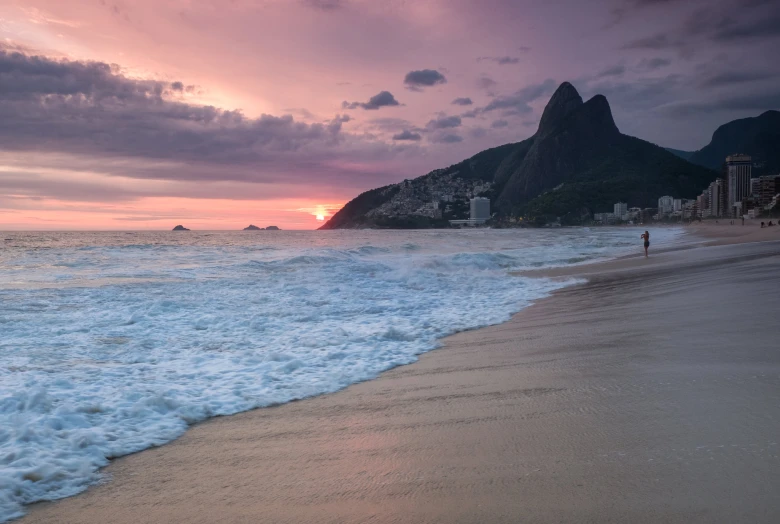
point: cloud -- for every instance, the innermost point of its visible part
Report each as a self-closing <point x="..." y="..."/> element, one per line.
<point x="756" y="102"/>
<point x="416" y="80"/>
<point x="324" y="5"/>
<point x="499" y="124"/>
<point x="500" y="60"/>
<point x="407" y="135"/>
<point x="106" y="122"/>
<point x="737" y="77"/>
<point x="617" y="70"/>
<point x="444" y="122"/>
<point x="524" y="49"/>
<point x="520" y="100"/>
<point x="485" y="82"/>
<point x="382" y="99"/>
<point x="447" y="138"/>
<point x="462" y="101"/>
<point x="657" y="41"/>
<point x="651" y="64"/>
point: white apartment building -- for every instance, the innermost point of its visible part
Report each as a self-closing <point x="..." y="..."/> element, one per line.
<point x="665" y="205"/>
<point x="620" y="211"/>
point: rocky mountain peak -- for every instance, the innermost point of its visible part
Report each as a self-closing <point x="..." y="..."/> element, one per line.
<point x="564" y="101"/>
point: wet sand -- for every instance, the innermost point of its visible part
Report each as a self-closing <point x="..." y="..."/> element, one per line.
<point x="650" y="394"/>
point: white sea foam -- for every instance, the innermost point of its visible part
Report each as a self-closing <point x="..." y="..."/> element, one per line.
<point x="110" y="347"/>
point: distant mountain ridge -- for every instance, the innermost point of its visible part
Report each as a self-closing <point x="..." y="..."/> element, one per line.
<point x="757" y="136"/>
<point x="576" y="163"/>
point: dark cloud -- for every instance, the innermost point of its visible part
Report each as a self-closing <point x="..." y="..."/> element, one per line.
<point x="407" y="135"/>
<point x="444" y="122"/>
<point x="499" y="123"/>
<point x="485" y="82"/>
<point x="324" y="5"/>
<point x="519" y="101"/>
<point x="730" y="29"/>
<point x="500" y="60"/>
<point x="470" y="114"/>
<point x="462" y="101"/>
<point x="737" y="77"/>
<point x="382" y="99"/>
<point x="416" y="80"/>
<point x="616" y="70"/>
<point x="651" y="64"/>
<point x="524" y="49"/>
<point x="756" y="103"/>
<point x="447" y="138"/>
<point x="141" y="128"/>
<point x="657" y="41"/>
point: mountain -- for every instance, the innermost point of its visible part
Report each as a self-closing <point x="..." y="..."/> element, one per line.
<point x="575" y="164"/>
<point x="685" y="155"/>
<point x="756" y="136"/>
<point x="180" y="228"/>
<point x="252" y="227"/>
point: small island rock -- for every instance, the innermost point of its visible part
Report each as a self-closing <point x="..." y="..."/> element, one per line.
<point x="272" y="228"/>
<point x="180" y="228"/>
<point x="252" y="227"/>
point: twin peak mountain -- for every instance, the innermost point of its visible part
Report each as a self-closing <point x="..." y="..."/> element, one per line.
<point x="576" y="163"/>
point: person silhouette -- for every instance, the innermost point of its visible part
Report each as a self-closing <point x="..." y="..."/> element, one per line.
<point x="646" y="237"/>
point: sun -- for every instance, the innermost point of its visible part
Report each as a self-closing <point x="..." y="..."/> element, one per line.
<point x="320" y="217"/>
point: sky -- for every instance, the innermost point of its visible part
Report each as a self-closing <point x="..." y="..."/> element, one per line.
<point x="144" y="114"/>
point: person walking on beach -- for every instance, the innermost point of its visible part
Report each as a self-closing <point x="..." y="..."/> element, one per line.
<point x="646" y="237"/>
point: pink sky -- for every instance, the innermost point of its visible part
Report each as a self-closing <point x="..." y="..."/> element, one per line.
<point x="124" y="148"/>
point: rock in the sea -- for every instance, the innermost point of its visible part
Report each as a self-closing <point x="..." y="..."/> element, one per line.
<point x="180" y="228"/>
<point x="272" y="228"/>
<point x="252" y="227"/>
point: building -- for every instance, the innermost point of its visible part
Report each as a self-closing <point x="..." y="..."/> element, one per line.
<point x="480" y="208"/>
<point x="665" y="205"/>
<point x="479" y="213"/>
<point x="715" y="197"/>
<point x="738" y="169"/>
<point x="755" y="187"/>
<point x="620" y="210"/>
<point x="768" y="187"/>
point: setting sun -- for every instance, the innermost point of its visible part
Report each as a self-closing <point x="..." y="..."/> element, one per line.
<point x="320" y="217"/>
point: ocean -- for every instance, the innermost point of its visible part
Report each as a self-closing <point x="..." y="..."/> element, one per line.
<point x="113" y="342"/>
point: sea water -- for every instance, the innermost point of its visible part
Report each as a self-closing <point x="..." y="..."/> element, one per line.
<point x="113" y="342"/>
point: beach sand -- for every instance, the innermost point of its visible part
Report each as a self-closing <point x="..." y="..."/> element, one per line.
<point x="649" y="394"/>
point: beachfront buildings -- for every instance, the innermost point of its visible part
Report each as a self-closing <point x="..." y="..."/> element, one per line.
<point x="738" y="171"/>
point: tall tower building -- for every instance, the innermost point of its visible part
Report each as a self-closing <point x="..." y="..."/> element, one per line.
<point x="620" y="210"/>
<point x="480" y="208"/>
<point x="739" y="169"/>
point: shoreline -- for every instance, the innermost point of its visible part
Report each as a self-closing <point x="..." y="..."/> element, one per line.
<point x="249" y="467"/>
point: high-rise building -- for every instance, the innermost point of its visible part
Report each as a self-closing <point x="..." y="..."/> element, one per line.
<point x="715" y="195"/>
<point x="769" y="186"/>
<point x="739" y="168"/>
<point x="678" y="204"/>
<point x="621" y="209"/>
<point x="755" y="187"/>
<point x="480" y="208"/>
<point x="665" y="205"/>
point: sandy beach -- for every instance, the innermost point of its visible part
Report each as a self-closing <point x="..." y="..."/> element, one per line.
<point x="649" y="394"/>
